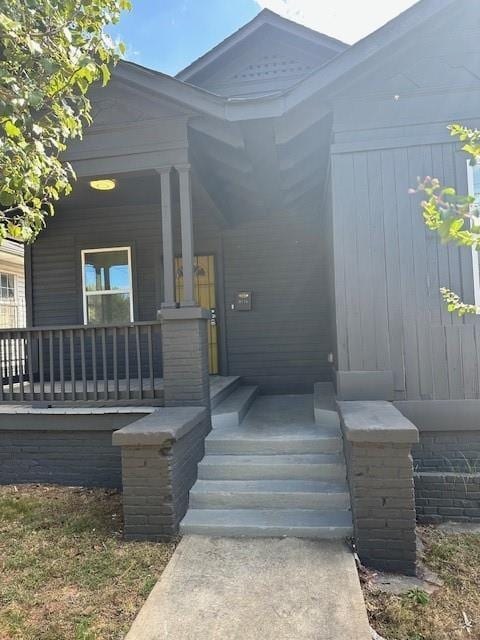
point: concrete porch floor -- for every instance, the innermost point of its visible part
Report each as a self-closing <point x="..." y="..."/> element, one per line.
<point x="277" y="417"/>
<point x="255" y="589"/>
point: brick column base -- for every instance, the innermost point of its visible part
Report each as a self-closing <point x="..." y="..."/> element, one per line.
<point x="383" y="505"/>
<point x="160" y="454"/>
<point x="185" y="357"/>
<point x="378" y="442"/>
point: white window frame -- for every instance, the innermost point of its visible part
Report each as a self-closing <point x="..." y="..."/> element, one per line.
<point x="475" y="254"/>
<point x="13" y="300"/>
<point x="86" y="294"/>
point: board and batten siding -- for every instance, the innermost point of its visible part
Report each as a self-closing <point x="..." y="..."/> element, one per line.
<point x="390" y="127"/>
<point x="389" y="268"/>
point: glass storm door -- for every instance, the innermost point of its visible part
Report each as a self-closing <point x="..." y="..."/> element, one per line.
<point x="205" y="296"/>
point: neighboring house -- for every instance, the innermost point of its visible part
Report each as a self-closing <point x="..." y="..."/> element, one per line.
<point x="12" y="285"/>
<point x="268" y="182"/>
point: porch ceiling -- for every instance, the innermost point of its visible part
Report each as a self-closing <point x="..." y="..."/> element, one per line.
<point x="255" y="169"/>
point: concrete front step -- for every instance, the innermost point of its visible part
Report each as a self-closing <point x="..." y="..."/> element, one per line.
<point x="296" y="523"/>
<point x="221" y="387"/>
<point x="231" y="411"/>
<point x="273" y="467"/>
<point x="242" y="441"/>
<point x="269" y="494"/>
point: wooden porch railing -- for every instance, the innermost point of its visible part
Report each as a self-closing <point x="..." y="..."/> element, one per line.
<point x="98" y="363"/>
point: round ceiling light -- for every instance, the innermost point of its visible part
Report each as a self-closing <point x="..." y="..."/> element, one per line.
<point x="104" y="184"/>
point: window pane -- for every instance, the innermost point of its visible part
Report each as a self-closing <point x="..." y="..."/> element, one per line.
<point x="107" y="270"/>
<point x="7" y="286"/>
<point x="108" y="309"/>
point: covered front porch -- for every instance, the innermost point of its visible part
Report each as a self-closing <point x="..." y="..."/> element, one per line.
<point x="226" y="220"/>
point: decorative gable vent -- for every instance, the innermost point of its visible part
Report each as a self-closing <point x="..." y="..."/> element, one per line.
<point x="272" y="66"/>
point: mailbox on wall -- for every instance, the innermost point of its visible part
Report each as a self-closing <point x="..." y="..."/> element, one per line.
<point x="243" y="301"/>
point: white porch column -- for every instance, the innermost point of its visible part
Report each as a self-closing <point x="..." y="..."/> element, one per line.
<point x="167" y="239"/>
<point x="187" y="234"/>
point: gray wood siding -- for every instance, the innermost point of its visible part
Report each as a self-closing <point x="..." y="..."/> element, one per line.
<point x="389" y="269"/>
<point x="282" y="344"/>
<point x="390" y="127"/>
<point x="56" y="259"/>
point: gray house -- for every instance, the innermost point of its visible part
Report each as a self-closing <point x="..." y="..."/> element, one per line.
<point x="259" y="202"/>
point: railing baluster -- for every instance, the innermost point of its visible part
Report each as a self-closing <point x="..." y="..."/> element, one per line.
<point x="72" y="365"/>
<point x="127" y="363"/>
<point x="150" y="359"/>
<point x="9" y="365"/>
<point x="40" y="366"/>
<point x="94" y="364"/>
<point x="31" y="380"/>
<point x="21" y="361"/>
<point x="2" y="368"/>
<point x="62" y="364"/>
<point x="115" y="364"/>
<point x="84" y="371"/>
<point x="104" y="364"/>
<point x="52" y="371"/>
<point x="139" y="362"/>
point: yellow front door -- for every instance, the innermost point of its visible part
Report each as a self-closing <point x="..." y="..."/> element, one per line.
<point x="205" y="296"/>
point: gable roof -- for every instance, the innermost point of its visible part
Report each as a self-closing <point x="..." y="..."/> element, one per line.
<point x="265" y="17"/>
<point x="413" y="18"/>
<point x="276" y="104"/>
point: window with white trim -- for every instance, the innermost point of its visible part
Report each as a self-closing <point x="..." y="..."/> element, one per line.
<point x="7" y="287"/>
<point x="9" y="309"/>
<point x="474" y="190"/>
<point x="107" y="286"/>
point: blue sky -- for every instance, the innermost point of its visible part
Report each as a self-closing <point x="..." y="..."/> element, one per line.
<point x="169" y="34"/>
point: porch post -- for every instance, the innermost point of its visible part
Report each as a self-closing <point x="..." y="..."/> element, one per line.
<point x="187" y="234"/>
<point x="167" y="239"/>
<point x="184" y="330"/>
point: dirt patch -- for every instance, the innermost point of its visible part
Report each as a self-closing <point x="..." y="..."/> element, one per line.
<point x="452" y="612"/>
<point x="66" y="571"/>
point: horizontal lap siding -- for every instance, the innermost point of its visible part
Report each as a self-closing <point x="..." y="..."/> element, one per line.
<point x="56" y="259"/>
<point x="283" y="343"/>
<point x="389" y="269"/>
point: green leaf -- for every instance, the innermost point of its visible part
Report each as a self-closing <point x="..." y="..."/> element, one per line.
<point x="52" y="51"/>
<point x="11" y="130"/>
<point x="449" y="191"/>
<point x="7" y="198"/>
<point x="105" y="74"/>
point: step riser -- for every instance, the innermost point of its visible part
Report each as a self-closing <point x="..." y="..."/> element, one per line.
<point x="272" y="472"/>
<point x="224" y="393"/>
<point x="266" y="447"/>
<point x="235" y="408"/>
<point x="233" y="500"/>
<point x="327" y="419"/>
<point x="321" y="533"/>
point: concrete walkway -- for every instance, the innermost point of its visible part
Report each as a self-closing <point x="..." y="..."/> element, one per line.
<point x="255" y="589"/>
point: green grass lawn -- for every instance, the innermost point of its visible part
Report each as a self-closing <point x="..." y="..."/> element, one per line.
<point x="66" y="573"/>
<point x="452" y="612"/>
